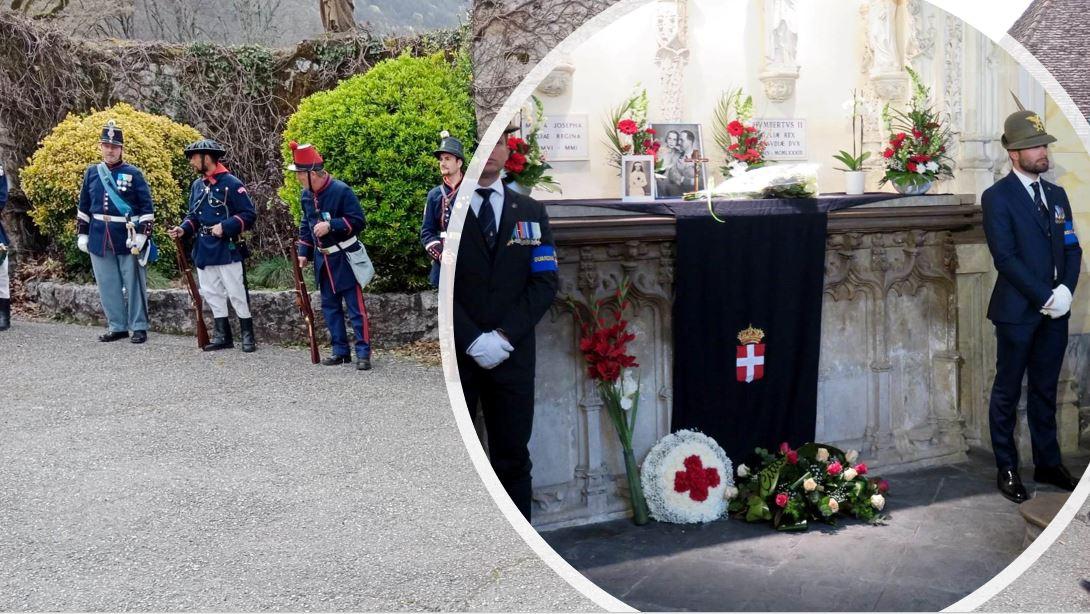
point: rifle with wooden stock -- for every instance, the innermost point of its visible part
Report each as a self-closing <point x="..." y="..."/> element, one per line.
<point x="302" y="300"/>
<point x="194" y="292"/>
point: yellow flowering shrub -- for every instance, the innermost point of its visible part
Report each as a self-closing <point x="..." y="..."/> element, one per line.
<point x="54" y="175"/>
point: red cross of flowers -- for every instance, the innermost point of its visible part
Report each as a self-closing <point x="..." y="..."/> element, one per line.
<point x="696" y="479"/>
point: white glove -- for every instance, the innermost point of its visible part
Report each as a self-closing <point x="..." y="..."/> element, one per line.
<point x="139" y="242"/>
<point x="1059" y="304"/>
<point x="81" y="243"/>
<point x="490" y="349"/>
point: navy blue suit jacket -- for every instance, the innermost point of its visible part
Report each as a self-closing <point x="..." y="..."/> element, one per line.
<point x="1023" y="252"/>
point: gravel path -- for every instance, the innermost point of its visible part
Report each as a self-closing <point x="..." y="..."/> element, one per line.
<point x="158" y="477"/>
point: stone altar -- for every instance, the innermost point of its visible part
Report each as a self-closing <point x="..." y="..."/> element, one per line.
<point x="889" y="370"/>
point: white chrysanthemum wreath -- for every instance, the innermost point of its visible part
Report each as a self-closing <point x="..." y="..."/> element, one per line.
<point x="685" y="478"/>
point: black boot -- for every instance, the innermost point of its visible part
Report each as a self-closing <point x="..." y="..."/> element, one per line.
<point x="5" y="313"/>
<point x="246" y="325"/>
<point x="221" y="338"/>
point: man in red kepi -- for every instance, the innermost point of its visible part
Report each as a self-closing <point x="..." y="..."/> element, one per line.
<point x="332" y="220"/>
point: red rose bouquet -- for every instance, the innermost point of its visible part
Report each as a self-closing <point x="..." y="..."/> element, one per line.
<point x="628" y="133"/>
<point x="742" y="144"/>
<point x="526" y="165"/>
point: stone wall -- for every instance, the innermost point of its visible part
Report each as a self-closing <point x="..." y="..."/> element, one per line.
<point x="395" y="318"/>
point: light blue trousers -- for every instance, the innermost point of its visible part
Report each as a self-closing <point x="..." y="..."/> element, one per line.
<point x="117" y="272"/>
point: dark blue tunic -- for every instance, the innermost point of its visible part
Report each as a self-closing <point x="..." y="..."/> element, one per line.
<point x="108" y="236"/>
<point x="221" y="199"/>
<point x="337" y="204"/>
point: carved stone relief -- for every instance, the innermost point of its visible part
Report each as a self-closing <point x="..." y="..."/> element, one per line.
<point x="672" y="34"/>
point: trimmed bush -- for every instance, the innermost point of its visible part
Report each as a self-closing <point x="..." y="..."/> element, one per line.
<point x="377" y="132"/>
<point x="54" y="175"/>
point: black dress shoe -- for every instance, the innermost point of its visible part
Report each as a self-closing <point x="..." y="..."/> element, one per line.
<point x="336" y="360"/>
<point x="363" y="364"/>
<point x="112" y="336"/>
<point x="1058" y="476"/>
<point x="1010" y="485"/>
<point x="139" y="336"/>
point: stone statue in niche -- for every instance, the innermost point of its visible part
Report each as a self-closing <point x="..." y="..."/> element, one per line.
<point x="882" y="36"/>
<point x="781" y="47"/>
<point x="781" y="34"/>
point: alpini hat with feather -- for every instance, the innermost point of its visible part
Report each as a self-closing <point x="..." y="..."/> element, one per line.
<point x="1024" y="129"/>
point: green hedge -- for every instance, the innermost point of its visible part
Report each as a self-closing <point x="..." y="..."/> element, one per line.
<point x="377" y="132"/>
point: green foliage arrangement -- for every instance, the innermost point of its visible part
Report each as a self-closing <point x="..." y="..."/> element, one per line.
<point x="54" y="175"/>
<point x="377" y="132"/>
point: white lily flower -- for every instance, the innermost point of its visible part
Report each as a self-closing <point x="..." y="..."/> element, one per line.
<point x="743" y="471"/>
<point x="932" y="166"/>
<point x="921" y="169"/>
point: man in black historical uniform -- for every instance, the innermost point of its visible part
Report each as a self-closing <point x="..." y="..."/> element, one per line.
<point x="433" y="231"/>
<point x="219" y="212"/>
<point x="504" y="282"/>
<point x="1028" y="224"/>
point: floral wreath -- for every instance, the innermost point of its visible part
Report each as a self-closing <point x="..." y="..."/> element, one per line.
<point x="686" y="477"/>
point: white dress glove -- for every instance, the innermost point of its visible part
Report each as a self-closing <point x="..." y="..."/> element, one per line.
<point x="139" y="242"/>
<point x="81" y="243"/>
<point x="1059" y="304"/>
<point x="490" y="349"/>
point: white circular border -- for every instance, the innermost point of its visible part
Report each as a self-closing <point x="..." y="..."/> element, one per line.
<point x="667" y="457"/>
<point x="988" y="16"/>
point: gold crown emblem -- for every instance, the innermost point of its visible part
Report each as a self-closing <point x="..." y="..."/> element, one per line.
<point x="751" y="335"/>
<point x="1037" y="123"/>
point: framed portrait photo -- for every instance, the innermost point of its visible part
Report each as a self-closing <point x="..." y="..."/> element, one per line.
<point x="677" y="145"/>
<point x="637" y="179"/>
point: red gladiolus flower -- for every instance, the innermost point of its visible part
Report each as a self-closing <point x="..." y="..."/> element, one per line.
<point x="835" y="468"/>
<point x="888" y="153"/>
<point x="627" y="126"/>
<point x="735" y="128"/>
<point x="861" y="469"/>
<point x="650" y="131"/>
<point x="792" y="457"/>
<point x="516" y="163"/>
<point x="781" y="499"/>
<point x="911" y="166"/>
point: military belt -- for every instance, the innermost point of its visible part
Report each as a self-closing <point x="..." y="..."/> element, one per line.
<point x="339" y="247"/>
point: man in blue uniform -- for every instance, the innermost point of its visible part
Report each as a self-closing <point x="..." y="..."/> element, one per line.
<point x="332" y="219"/>
<point x="114" y="221"/>
<point x="1028" y="225"/>
<point x="505" y="281"/>
<point x="5" y="285"/>
<point x="219" y="211"/>
<point x="433" y="231"/>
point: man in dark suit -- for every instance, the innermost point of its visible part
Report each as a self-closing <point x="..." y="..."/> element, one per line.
<point x="1028" y="224"/>
<point x="505" y="279"/>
